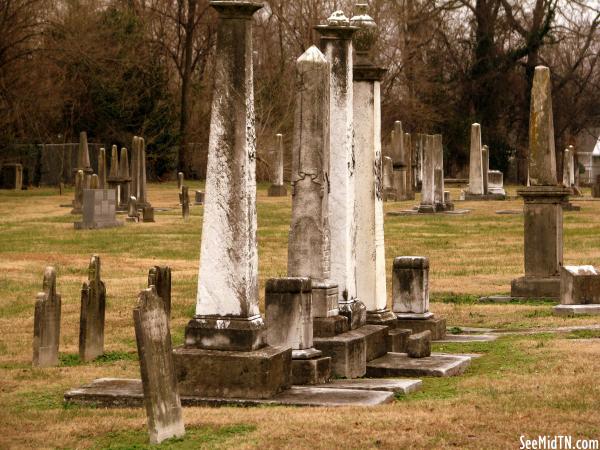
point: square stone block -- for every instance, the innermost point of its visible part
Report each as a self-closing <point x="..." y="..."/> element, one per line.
<point x="215" y="373"/>
<point x="437" y="326"/>
<point x="579" y="285"/>
<point x="348" y="352"/>
<point x="397" y="340"/>
<point x="324" y="327"/>
<point x="325" y="299"/>
<point x="375" y="340"/>
<point x="577" y="310"/>
<point x="401" y="365"/>
<point x="311" y="371"/>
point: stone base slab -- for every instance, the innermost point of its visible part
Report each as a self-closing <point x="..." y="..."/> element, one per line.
<point x="375" y="340"/>
<point x="311" y="371"/>
<point x="414" y="316"/>
<point x="325" y="327"/>
<point x="221" y="333"/>
<point x="277" y="191"/>
<point x="127" y="393"/>
<point x="466" y="196"/>
<point x="403" y="386"/>
<point x="397" y="340"/>
<point x="97" y="225"/>
<point x="356" y="312"/>
<point x="437" y="326"/>
<point x="261" y="373"/>
<point x="577" y="310"/>
<point x="467" y="338"/>
<point x="400" y="365"/>
<point x="385" y="317"/>
<point x="348" y="353"/>
<point x="530" y="287"/>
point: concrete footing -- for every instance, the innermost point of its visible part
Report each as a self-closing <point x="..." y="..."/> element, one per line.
<point x="531" y="287"/>
<point x="311" y="371"/>
<point x="400" y="365"/>
<point x="348" y="353"/>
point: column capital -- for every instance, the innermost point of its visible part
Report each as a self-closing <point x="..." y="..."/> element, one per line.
<point x="236" y="9"/>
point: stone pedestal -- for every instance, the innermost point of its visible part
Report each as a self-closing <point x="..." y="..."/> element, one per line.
<point x="99" y="210"/>
<point x="225" y="352"/>
<point x="543" y="239"/>
<point x="11" y="177"/>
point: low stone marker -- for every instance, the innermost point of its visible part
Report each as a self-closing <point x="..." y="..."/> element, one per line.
<point x="99" y="209"/>
<point x="161" y="398"/>
<point x="160" y="278"/>
<point x="496" y="183"/>
<point x="148" y="214"/>
<point x="419" y="345"/>
<point x="11" y="177"/>
<point x="132" y="213"/>
<point x="46" y="322"/>
<point x="410" y="297"/>
<point x="579" y="291"/>
<point x="199" y="198"/>
<point x="93" y="307"/>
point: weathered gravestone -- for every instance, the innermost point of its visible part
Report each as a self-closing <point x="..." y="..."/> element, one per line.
<point x="389" y="194"/>
<point x="184" y="198"/>
<point x="160" y="277"/>
<point x="132" y="211"/>
<point x="543" y="225"/>
<point x="46" y="322"/>
<point x="199" y="198"/>
<point x="476" y="186"/>
<point x="93" y="307"/>
<point x="161" y="397"/>
<point x="579" y="291"/>
<point x="102" y="183"/>
<point x="99" y="210"/>
<point x="427" y="205"/>
<point x="485" y="159"/>
<point x="78" y="194"/>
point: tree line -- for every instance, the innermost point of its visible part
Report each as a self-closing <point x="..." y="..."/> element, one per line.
<point x="121" y="67"/>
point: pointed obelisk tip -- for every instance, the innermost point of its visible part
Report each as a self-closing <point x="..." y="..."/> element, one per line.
<point x="313" y="54"/>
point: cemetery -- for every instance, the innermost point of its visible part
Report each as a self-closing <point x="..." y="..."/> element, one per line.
<point x="356" y="296"/>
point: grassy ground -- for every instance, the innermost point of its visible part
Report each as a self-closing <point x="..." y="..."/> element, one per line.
<point x="532" y="385"/>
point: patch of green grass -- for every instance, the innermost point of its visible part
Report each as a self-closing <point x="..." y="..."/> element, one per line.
<point x="458" y="299"/>
<point x="547" y="312"/>
<point x="202" y="437"/>
<point x="38" y="401"/>
<point x="73" y="359"/>
<point x="584" y="334"/>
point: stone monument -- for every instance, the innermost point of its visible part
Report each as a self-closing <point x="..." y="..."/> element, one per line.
<point x="78" y="193"/>
<point x="336" y="45"/>
<point x="543" y="199"/>
<point x="399" y="159"/>
<point x="160" y="278"/>
<point x="476" y="186"/>
<point x="46" y="322"/>
<point x="278" y="189"/>
<point x="93" y="307"/>
<point x="427" y="205"/>
<point x="389" y="194"/>
<point x="99" y="210"/>
<point x="11" y="177"/>
<point x="225" y="352"/>
<point x="102" y="183"/>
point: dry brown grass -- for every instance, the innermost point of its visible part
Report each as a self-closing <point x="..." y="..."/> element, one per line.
<point x="524" y="385"/>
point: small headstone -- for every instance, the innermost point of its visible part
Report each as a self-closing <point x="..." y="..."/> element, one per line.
<point x="99" y="210"/>
<point x="11" y="177"/>
<point x="46" y="322"/>
<point x="132" y="212"/>
<point x="148" y="214"/>
<point x="93" y="307"/>
<point x="94" y="182"/>
<point x="199" y="198"/>
<point x="496" y="182"/>
<point x="160" y="278"/>
<point x="184" y="197"/>
<point x="78" y="195"/>
<point x="419" y="345"/>
<point x="161" y="397"/>
<point x="410" y="287"/>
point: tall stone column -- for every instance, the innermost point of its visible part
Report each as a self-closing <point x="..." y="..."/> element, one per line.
<point x="566" y="180"/>
<point x="135" y="168"/>
<point x="573" y="167"/>
<point x="438" y="173"/>
<point x="102" y="169"/>
<point x="476" y="162"/>
<point x="427" y="188"/>
<point x="309" y="246"/>
<point x="225" y="352"/>
<point x="485" y="159"/>
<point x="142" y="190"/>
<point x="399" y="159"/>
<point x="370" y="248"/>
<point x="410" y="167"/>
<point x="83" y="156"/>
<point x="278" y="189"/>
<point x="336" y="45"/>
<point x="543" y="224"/>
